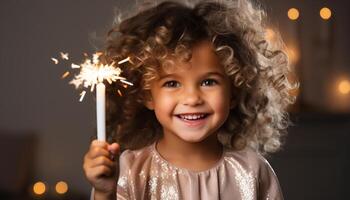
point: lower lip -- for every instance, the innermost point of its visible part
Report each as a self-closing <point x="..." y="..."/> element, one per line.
<point x="194" y="123"/>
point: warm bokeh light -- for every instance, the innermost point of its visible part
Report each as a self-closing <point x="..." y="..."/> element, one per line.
<point x="325" y="13"/>
<point x="344" y="87"/>
<point x="293" y="14"/>
<point x="61" y="187"/>
<point x="39" y="188"/>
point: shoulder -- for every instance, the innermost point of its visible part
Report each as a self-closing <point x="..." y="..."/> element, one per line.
<point x="131" y="158"/>
<point x="252" y="160"/>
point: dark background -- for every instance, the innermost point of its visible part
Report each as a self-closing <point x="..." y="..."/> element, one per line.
<point x="45" y="130"/>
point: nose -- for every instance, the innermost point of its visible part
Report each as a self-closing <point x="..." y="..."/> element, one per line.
<point x="192" y="97"/>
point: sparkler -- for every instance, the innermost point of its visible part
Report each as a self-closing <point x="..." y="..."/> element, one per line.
<point x="92" y="75"/>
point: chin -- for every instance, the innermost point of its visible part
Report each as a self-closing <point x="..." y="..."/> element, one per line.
<point x="194" y="139"/>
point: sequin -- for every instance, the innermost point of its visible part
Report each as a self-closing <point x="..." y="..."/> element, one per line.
<point x="122" y="181"/>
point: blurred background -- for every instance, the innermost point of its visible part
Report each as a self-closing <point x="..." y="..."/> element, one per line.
<point x="45" y="130"/>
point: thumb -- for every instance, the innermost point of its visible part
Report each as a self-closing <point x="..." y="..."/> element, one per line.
<point x="114" y="148"/>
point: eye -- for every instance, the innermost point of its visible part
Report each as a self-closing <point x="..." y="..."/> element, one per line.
<point x="209" y="82"/>
<point x="171" y="84"/>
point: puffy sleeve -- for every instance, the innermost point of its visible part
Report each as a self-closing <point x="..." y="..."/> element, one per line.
<point x="269" y="187"/>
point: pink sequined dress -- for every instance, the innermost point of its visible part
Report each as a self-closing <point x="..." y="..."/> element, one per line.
<point x="239" y="175"/>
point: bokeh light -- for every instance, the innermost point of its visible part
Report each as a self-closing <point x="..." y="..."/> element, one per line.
<point x="61" y="187"/>
<point x="325" y="13"/>
<point x="293" y="14"/>
<point x="344" y="87"/>
<point x="39" y="188"/>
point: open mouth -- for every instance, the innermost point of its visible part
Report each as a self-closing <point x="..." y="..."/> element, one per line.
<point x="192" y="117"/>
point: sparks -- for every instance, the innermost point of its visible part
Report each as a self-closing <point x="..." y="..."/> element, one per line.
<point x="64" y="56"/>
<point x="75" y="66"/>
<point x="120" y="93"/>
<point x="82" y="95"/>
<point x="92" y="72"/>
<point x="124" y="60"/>
<point x="65" y="74"/>
<point x="54" y="60"/>
<point x="126" y="82"/>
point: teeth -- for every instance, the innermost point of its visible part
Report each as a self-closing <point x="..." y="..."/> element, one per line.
<point x="192" y="117"/>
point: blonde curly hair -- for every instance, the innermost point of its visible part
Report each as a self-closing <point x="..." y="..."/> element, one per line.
<point x="237" y="31"/>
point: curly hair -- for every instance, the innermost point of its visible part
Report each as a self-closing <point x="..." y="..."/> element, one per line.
<point x="237" y="31"/>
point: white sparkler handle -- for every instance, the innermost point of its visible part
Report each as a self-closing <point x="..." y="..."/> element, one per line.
<point x="101" y="111"/>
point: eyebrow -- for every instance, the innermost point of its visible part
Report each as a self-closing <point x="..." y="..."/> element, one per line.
<point x="166" y="76"/>
<point x="212" y="73"/>
<point x="215" y="73"/>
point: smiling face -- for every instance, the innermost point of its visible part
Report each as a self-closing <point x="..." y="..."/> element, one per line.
<point x="192" y="100"/>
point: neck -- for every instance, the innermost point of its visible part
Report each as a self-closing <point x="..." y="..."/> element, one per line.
<point x="177" y="151"/>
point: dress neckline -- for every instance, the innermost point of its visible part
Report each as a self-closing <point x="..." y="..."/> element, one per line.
<point x="214" y="167"/>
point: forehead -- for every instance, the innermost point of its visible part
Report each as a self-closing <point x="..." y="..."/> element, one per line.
<point x="203" y="59"/>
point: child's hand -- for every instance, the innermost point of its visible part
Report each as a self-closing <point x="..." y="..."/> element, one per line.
<point x="100" y="169"/>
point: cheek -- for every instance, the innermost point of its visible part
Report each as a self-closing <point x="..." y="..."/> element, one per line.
<point x="164" y="107"/>
<point x="164" y="104"/>
<point x="221" y="103"/>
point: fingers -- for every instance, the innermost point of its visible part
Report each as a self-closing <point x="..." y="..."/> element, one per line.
<point x="99" y="154"/>
<point x="98" y="148"/>
<point x="101" y="166"/>
<point x="99" y="171"/>
<point x="102" y="160"/>
<point x="97" y="161"/>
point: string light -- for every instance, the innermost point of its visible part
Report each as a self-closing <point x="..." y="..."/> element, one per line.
<point x="344" y="87"/>
<point x="61" y="187"/>
<point x="39" y="188"/>
<point x="325" y="13"/>
<point x="293" y="14"/>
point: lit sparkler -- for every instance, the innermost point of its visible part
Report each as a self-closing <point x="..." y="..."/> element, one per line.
<point x="92" y="74"/>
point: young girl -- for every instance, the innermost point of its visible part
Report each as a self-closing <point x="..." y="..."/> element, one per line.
<point x="209" y="98"/>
